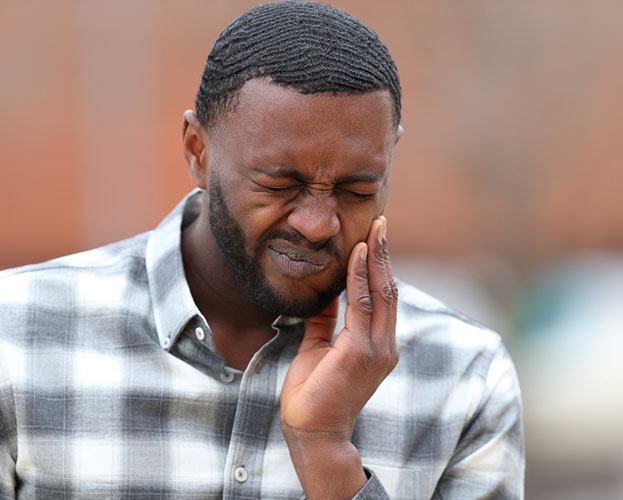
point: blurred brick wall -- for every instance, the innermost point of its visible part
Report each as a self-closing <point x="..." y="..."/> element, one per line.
<point x="512" y="115"/>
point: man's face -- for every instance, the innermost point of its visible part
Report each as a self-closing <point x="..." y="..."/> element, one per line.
<point x="294" y="182"/>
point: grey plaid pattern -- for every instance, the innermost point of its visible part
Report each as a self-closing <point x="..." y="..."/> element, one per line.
<point x="110" y="387"/>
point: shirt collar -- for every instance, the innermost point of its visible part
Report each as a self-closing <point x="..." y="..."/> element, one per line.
<point x="172" y="301"/>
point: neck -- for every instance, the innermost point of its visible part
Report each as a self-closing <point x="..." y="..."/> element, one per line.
<point x="237" y="336"/>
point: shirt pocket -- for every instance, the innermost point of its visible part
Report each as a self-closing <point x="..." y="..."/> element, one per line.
<point x="405" y="482"/>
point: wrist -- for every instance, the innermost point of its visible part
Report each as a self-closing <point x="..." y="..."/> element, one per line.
<point x="328" y="466"/>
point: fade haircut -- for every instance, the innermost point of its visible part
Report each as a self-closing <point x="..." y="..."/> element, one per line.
<point x="310" y="47"/>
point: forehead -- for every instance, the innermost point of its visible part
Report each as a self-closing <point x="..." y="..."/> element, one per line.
<point x="262" y="94"/>
<point x="272" y="123"/>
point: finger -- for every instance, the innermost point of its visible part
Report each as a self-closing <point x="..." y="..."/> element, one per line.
<point x="382" y="290"/>
<point x="394" y="288"/>
<point x="358" y="303"/>
<point x="319" y="329"/>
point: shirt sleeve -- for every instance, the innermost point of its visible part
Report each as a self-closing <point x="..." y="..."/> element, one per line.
<point x="7" y="436"/>
<point x="489" y="459"/>
<point x="373" y="489"/>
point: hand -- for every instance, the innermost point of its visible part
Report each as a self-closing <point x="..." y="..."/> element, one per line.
<point x="327" y="384"/>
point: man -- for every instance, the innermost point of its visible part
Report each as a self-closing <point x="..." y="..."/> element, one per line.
<point x="212" y="357"/>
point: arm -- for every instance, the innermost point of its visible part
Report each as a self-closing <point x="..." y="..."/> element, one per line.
<point x="489" y="459"/>
<point x="7" y="436"/>
<point x="317" y="429"/>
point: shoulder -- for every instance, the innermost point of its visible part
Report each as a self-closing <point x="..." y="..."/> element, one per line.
<point x="449" y="352"/>
<point x="60" y="287"/>
<point x="426" y="321"/>
<point x="100" y="257"/>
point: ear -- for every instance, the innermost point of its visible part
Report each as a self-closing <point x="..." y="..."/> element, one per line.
<point x="399" y="133"/>
<point x="196" y="148"/>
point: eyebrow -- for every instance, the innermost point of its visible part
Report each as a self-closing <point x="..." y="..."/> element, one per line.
<point x="292" y="173"/>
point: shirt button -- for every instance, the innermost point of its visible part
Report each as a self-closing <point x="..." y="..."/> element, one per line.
<point x="227" y="377"/>
<point x="241" y="474"/>
<point x="200" y="333"/>
<point x="166" y="343"/>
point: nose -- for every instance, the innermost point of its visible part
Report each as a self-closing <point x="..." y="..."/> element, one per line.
<point x="315" y="216"/>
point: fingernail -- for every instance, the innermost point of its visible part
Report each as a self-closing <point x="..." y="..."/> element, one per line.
<point x="384" y="228"/>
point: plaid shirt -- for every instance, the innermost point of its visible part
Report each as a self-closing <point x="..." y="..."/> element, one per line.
<point x="110" y="387"/>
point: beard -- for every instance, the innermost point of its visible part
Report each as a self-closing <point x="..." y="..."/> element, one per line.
<point x="246" y="268"/>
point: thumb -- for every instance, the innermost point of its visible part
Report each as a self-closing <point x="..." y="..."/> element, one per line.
<point x="319" y="329"/>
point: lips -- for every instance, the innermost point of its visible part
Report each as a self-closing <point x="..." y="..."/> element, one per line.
<point x="297" y="262"/>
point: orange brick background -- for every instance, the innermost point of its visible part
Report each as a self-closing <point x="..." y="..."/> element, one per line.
<point x="512" y="113"/>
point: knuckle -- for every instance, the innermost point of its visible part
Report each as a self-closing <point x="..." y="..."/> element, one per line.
<point x="384" y="251"/>
<point x="387" y="292"/>
<point x="364" y="302"/>
<point x="386" y="363"/>
<point x="394" y="287"/>
<point x="379" y="257"/>
<point x="390" y="360"/>
<point x="394" y="358"/>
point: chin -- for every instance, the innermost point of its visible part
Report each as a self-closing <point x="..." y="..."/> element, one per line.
<point x="298" y="300"/>
<point x="279" y="294"/>
<point x="300" y="308"/>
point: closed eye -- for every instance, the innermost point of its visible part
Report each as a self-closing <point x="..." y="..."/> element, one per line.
<point x="286" y="189"/>
<point x="280" y="188"/>
<point x="338" y="190"/>
<point x="356" y="195"/>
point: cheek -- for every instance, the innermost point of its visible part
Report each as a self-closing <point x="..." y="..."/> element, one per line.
<point x="257" y="215"/>
<point x="261" y="212"/>
<point x="264" y="205"/>
<point x="356" y="225"/>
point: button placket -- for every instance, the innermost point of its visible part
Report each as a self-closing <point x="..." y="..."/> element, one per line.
<point x="254" y="418"/>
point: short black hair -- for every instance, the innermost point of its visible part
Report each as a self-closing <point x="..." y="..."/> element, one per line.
<point x="311" y="47"/>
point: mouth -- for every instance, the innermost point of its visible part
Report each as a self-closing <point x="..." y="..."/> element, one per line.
<point x="297" y="262"/>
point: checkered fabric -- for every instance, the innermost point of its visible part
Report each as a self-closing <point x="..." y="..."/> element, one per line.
<point x="110" y="387"/>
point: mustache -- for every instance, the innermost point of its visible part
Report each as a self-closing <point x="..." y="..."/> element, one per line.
<point x="299" y="240"/>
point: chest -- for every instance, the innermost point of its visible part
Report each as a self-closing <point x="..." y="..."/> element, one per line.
<point x="107" y="426"/>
